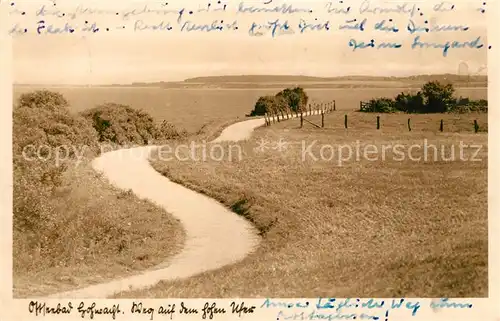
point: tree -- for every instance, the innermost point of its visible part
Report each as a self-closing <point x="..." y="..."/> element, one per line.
<point x="438" y="97"/>
<point x="269" y="104"/>
<point x="295" y="98"/>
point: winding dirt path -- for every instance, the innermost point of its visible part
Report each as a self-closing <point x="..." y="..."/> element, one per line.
<point x="215" y="236"/>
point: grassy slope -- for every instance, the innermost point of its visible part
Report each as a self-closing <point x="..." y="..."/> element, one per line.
<point x="139" y="235"/>
<point x="368" y="228"/>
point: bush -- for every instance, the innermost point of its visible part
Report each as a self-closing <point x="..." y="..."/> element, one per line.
<point x="379" y="105"/>
<point x="43" y="99"/>
<point x="433" y="98"/>
<point x="54" y="128"/>
<point x="466" y="105"/>
<point x="167" y="131"/>
<point x="42" y="119"/>
<point x="123" y="125"/>
<point x="410" y="103"/>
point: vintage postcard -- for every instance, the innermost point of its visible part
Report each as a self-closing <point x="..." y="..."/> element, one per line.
<point x="257" y="160"/>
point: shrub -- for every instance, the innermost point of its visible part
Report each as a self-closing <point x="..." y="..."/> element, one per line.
<point x="167" y="131"/>
<point x="466" y="105"/>
<point x="39" y="120"/>
<point x="433" y="98"/>
<point x="379" y="105"/>
<point x="43" y="99"/>
<point x="121" y="124"/>
<point x="410" y="103"/>
<point x="52" y="127"/>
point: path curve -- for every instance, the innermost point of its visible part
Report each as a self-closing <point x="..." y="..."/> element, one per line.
<point x="215" y="236"/>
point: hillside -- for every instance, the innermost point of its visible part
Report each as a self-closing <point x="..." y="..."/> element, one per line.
<point x="283" y="78"/>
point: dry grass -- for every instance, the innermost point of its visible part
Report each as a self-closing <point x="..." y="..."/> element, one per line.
<point x="313" y="228"/>
<point x="190" y="109"/>
<point x="103" y="233"/>
<point x="396" y="123"/>
<point x="366" y="228"/>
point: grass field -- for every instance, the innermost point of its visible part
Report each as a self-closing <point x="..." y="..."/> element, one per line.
<point x="192" y="108"/>
<point x="315" y="217"/>
<point x="370" y="228"/>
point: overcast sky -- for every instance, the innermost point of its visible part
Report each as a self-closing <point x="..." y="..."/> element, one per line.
<point x="125" y="56"/>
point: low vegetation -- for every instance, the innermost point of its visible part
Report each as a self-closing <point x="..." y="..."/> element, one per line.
<point x="433" y="97"/>
<point x="121" y="124"/>
<point x="70" y="227"/>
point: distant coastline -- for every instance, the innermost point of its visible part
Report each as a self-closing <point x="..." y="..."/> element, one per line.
<point x="267" y="81"/>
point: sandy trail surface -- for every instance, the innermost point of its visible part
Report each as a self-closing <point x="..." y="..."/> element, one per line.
<point x="215" y="236"/>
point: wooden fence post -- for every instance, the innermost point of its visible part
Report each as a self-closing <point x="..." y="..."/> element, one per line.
<point x="310" y="109"/>
<point x="267" y="121"/>
<point x="441" y="126"/>
<point x="334" y="107"/>
<point x="322" y="119"/>
<point x="378" y="122"/>
<point x="277" y="117"/>
<point x="360" y="105"/>
<point x="476" y="126"/>
<point x="345" y="121"/>
<point x="301" y="120"/>
<point x="409" y="125"/>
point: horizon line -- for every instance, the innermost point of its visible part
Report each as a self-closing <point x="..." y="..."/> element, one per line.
<point x="248" y="75"/>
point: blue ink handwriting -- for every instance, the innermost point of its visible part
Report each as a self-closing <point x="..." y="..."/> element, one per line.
<point x="446" y="303"/>
<point x="268" y="303"/>
<point x="140" y="25"/>
<point x="283" y="9"/>
<point x="382" y="27"/>
<point x="51" y="29"/>
<point x="304" y="26"/>
<point x="371" y="44"/>
<point x="413" y="27"/>
<point x="354" y="25"/>
<point x="276" y="27"/>
<point x="216" y="25"/>
<point x="474" y="44"/>
<point x="331" y="9"/>
<point x="401" y="8"/>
